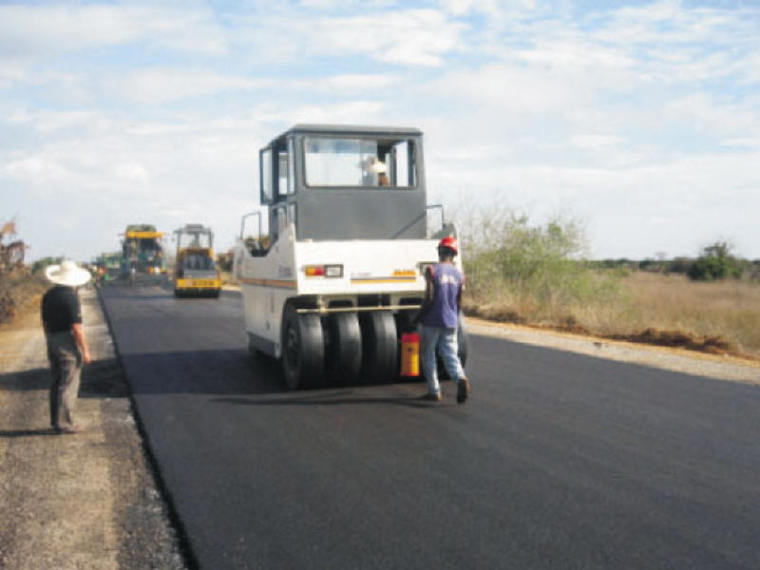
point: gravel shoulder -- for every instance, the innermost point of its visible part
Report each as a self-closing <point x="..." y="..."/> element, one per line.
<point x="678" y="360"/>
<point x="87" y="500"/>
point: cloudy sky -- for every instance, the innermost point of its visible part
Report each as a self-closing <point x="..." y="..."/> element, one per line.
<point x="642" y="119"/>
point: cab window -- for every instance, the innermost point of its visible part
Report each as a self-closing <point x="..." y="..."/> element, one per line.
<point x="359" y="162"/>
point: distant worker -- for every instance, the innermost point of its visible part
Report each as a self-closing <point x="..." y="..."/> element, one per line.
<point x="66" y="345"/>
<point x="378" y="167"/>
<point x="439" y="316"/>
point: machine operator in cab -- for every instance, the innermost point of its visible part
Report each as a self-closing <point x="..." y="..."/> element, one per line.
<point x="439" y="317"/>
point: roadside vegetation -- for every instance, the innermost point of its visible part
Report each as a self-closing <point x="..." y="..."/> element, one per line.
<point x="19" y="285"/>
<point x="540" y="275"/>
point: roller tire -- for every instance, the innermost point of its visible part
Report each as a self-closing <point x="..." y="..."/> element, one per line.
<point x="379" y="347"/>
<point x="345" y="348"/>
<point x="302" y="350"/>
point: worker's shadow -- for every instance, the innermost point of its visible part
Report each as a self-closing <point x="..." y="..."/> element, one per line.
<point x="101" y="379"/>
<point x="331" y="398"/>
<point x="11" y="433"/>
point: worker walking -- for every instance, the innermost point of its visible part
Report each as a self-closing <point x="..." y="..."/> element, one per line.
<point x="439" y="316"/>
<point x="66" y="344"/>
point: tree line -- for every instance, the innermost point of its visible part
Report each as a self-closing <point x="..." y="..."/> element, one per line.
<point x="715" y="262"/>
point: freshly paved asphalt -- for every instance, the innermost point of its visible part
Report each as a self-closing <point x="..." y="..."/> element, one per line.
<point x="558" y="461"/>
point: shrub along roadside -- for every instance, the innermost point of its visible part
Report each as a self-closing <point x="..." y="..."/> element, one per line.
<point x="531" y="273"/>
<point x="538" y="275"/>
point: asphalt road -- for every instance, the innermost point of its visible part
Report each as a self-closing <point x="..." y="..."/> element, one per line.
<point x="558" y="460"/>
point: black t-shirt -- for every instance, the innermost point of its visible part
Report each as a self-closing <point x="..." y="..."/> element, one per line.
<point x="60" y="309"/>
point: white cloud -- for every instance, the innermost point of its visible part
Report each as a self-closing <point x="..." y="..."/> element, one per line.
<point x="576" y="52"/>
<point x="642" y="120"/>
<point x="591" y="141"/>
<point x="413" y="37"/>
<point x="353" y="83"/>
<point x="512" y="89"/>
<point x="160" y="85"/>
<point x="45" y="31"/>
<point x="45" y="121"/>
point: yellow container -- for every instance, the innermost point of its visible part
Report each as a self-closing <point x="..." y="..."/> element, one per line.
<point x="410" y="354"/>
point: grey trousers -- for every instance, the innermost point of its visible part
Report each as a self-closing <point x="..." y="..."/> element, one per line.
<point x="66" y="368"/>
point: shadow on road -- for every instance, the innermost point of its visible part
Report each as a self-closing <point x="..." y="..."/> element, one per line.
<point x="232" y="372"/>
<point x="222" y="372"/>
<point x="26" y="432"/>
<point x="101" y="378"/>
<point x="348" y="397"/>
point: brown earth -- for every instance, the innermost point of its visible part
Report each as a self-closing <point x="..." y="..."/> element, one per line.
<point x="651" y="336"/>
<point x="83" y="501"/>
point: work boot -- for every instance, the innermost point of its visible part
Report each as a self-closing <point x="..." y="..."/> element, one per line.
<point x="463" y="390"/>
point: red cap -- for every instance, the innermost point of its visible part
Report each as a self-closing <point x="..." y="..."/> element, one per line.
<point x="449" y="242"/>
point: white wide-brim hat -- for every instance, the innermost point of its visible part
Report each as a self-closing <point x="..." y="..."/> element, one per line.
<point x="67" y="273"/>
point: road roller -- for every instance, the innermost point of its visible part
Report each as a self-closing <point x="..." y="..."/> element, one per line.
<point x="331" y="266"/>
<point x="195" y="273"/>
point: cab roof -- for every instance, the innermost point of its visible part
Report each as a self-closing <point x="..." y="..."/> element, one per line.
<point x="352" y="130"/>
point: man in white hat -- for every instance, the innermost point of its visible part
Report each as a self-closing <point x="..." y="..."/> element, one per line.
<point x="66" y="344"/>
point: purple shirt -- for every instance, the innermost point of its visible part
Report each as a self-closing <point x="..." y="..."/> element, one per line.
<point x="444" y="309"/>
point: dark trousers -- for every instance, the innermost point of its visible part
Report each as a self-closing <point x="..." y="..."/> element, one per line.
<point x="66" y="369"/>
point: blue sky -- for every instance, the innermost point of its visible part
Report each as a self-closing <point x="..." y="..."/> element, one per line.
<point x="642" y="119"/>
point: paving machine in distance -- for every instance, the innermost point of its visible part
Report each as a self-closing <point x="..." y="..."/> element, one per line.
<point x="107" y="267"/>
<point x="142" y="251"/>
<point x="195" y="274"/>
<point x="339" y="276"/>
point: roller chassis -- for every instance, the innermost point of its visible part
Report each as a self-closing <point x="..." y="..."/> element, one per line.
<point x="341" y="274"/>
<point x="377" y="298"/>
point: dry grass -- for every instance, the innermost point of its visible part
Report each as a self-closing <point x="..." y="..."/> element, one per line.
<point x="727" y="310"/>
<point x="19" y="290"/>
<point x="670" y="310"/>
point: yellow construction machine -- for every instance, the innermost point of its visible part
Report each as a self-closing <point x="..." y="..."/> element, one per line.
<point x="195" y="274"/>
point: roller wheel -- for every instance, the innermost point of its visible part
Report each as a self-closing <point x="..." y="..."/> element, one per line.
<point x="379" y="347"/>
<point x="302" y="349"/>
<point x="462" y="342"/>
<point x="344" y="348"/>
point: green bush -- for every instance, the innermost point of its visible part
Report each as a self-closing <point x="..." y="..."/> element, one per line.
<point x="716" y="262"/>
<point x="541" y="265"/>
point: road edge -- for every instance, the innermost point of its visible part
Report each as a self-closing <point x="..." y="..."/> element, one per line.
<point x="183" y="541"/>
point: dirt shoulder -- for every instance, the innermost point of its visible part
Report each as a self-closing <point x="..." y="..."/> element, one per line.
<point x="75" y="501"/>
<point x="679" y="360"/>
